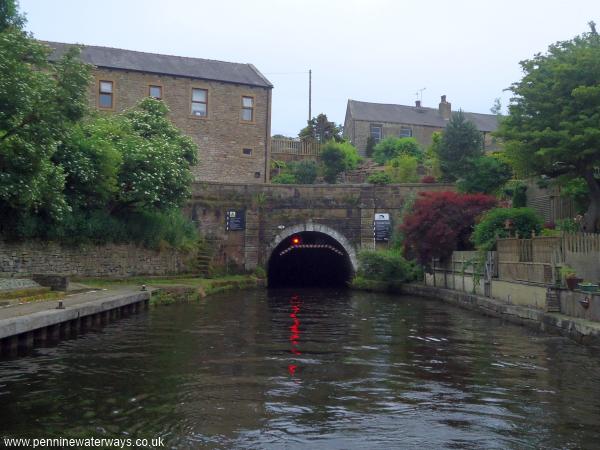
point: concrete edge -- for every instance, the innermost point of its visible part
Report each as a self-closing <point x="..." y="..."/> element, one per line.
<point x="41" y="319"/>
<point x="580" y="330"/>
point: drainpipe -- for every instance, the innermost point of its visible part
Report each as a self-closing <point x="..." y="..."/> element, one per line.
<point x="268" y="135"/>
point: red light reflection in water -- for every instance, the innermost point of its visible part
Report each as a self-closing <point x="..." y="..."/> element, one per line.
<point x="294" y="331"/>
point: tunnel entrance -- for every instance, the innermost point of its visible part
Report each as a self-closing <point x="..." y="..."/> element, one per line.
<point x="309" y="258"/>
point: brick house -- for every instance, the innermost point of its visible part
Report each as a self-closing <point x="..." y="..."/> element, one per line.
<point x="225" y="107"/>
<point x="364" y="119"/>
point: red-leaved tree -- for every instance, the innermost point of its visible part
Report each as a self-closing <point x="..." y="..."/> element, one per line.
<point x="441" y="222"/>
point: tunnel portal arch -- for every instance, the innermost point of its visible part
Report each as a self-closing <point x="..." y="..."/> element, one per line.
<point x="332" y="243"/>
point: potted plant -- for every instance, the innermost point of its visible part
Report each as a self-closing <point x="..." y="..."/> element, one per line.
<point x="568" y="273"/>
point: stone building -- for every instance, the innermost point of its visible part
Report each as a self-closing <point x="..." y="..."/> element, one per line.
<point x="225" y="107"/>
<point x="364" y="119"/>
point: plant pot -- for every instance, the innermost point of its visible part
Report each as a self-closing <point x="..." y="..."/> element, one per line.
<point x="573" y="282"/>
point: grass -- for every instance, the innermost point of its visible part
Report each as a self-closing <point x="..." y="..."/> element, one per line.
<point x="35" y="297"/>
<point x="178" y="288"/>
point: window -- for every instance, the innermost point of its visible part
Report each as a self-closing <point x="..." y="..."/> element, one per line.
<point x="256" y="174"/>
<point x="247" y="151"/>
<point x="199" y="102"/>
<point x="155" y="91"/>
<point x="405" y="132"/>
<point x="105" y="94"/>
<point x="248" y="109"/>
<point x="376" y="133"/>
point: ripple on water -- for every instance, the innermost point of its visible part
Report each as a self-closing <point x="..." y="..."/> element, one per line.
<point x="328" y="369"/>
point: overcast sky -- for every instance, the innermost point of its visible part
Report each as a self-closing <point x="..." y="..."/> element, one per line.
<point x="380" y="50"/>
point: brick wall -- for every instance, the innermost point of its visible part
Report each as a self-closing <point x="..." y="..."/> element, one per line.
<point x="91" y="261"/>
<point x="221" y="136"/>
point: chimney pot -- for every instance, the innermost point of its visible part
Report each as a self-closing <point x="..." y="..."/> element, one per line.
<point x="418" y="103"/>
<point x="443" y="99"/>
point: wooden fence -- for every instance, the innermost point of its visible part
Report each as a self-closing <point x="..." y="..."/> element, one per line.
<point x="295" y="147"/>
<point x="536" y="260"/>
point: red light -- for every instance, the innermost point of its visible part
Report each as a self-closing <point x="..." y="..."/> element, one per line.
<point x="295" y="240"/>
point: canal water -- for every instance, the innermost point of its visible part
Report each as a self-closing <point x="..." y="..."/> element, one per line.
<point x="309" y="369"/>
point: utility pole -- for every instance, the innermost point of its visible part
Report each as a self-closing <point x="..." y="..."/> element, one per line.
<point x="309" y="95"/>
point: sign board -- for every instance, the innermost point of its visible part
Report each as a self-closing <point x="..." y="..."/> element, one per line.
<point x="382" y="227"/>
<point x="235" y="220"/>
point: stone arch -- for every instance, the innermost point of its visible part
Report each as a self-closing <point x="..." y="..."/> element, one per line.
<point x="316" y="227"/>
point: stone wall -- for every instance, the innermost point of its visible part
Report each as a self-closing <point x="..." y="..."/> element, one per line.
<point x="117" y="261"/>
<point x="347" y="209"/>
<point x="221" y="136"/>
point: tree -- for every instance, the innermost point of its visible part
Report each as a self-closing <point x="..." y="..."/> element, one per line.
<point x="157" y="158"/>
<point x="321" y="129"/>
<point x="441" y="222"/>
<point x="461" y="142"/>
<point x="9" y="15"/>
<point x="337" y="157"/>
<point x="39" y="104"/>
<point x="392" y="147"/>
<point x="496" y="108"/>
<point x="486" y="176"/>
<point x="553" y="123"/>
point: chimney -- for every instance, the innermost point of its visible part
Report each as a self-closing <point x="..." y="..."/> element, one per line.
<point x="445" y="108"/>
<point x="418" y="103"/>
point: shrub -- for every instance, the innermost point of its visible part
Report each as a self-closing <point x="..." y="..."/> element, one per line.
<point x="388" y="265"/>
<point x="379" y="178"/>
<point x="392" y="147"/>
<point x="284" y="178"/>
<point x="428" y="179"/>
<point x="493" y="224"/>
<point x="305" y="172"/>
<point x="485" y="175"/>
<point x="441" y="222"/>
<point x="403" y="169"/>
<point x="338" y="157"/>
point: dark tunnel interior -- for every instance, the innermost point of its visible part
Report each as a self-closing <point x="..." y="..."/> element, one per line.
<point x="309" y="259"/>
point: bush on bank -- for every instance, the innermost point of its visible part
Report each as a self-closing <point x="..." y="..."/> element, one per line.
<point x="386" y="265"/>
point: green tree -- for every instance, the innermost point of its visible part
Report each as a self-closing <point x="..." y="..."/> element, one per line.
<point x="337" y="157"/>
<point x="39" y="104"/>
<point x="391" y="147"/>
<point x="321" y="129"/>
<point x="9" y="15"/>
<point x="496" y="108"/>
<point x="552" y="126"/>
<point x="486" y="176"/>
<point x="461" y="142"/>
<point x="157" y="158"/>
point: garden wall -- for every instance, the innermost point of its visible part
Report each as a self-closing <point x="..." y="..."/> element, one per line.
<point x="90" y="261"/>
